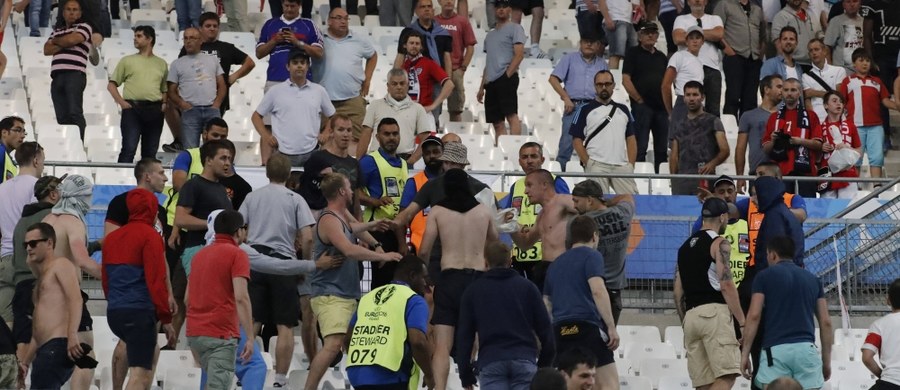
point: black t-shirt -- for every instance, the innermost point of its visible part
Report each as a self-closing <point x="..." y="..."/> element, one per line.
<point x="885" y="17"/>
<point x="433" y="191"/>
<point x="237" y="189"/>
<point x="117" y="211"/>
<point x="7" y="342"/>
<point x="650" y="67"/>
<point x="202" y="197"/>
<point x="310" y="181"/>
<point x="228" y="55"/>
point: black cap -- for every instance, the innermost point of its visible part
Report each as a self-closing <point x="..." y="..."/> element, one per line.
<point x="298" y="53"/>
<point x="502" y="3"/>
<point x="714" y="207"/>
<point x="588" y="189"/>
<point x="433" y="139"/>
<point x="723" y="179"/>
<point x="45" y="184"/>
<point x="647" y="26"/>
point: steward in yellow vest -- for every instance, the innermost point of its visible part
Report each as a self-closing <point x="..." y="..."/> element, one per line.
<point x="387" y="343"/>
<point x="12" y="135"/>
<point x="215" y="129"/>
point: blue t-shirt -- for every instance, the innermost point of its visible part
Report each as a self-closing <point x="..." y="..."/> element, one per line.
<point x="410" y="190"/>
<point x="305" y="30"/>
<point x="369" y="170"/>
<point x="560" y="187"/>
<point x="788" y="318"/>
<point x="567" y="285"/>
<point x="416" y="318"/>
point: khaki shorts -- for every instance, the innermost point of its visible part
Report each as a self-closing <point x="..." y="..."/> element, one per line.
<point x="334" y="313"/>
<point x="456" y="102"/>
<point x="710" y="345"/>
<point x="355" y="108"/>
<point x="7" y="288"/>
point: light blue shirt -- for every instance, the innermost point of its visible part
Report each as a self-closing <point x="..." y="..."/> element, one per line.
<point x="578" y="75"/>
<point x="341" y="72"/>
<point x="295" y="114"/>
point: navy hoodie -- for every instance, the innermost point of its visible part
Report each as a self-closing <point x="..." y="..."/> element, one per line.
<point x="507" y="311"/>
<point x="779" y="220"/>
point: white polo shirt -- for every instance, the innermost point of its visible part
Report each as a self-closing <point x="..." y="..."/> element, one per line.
<point x="831" y="75"/>
<point x="295" y="114"/>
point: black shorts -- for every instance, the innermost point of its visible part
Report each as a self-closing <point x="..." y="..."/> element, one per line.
<point x="51" y="367"/>
<point x="581" y="334"/>
<point x="882" y="385"/>
<point x="501" y="98"/>
<point x="87" y="323"/>
<point x="23" y="309"/>
<point x="527" y="5"/>
<point x="539" y="273"/>
<point x="137" y="329"/>
<point x="274" y="299"/>
<point x="448" y="294"/>
<point x="176" y="270"/>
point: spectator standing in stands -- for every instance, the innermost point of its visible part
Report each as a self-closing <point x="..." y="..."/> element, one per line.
<point x="603" y="135"/>
<point x="276" y="218"/>
<point x="698" y="143"/>
<point x="462" y="46"/>
<point x="617" y="18"/>
<point x="713" y="32"/>
<point x="865" y="94"/>
<point x="36" y="15"/>
<point x="196" y="87"/>
<point x="881" y="339"/>
<point x="789" y="339"/>
<point x="668" y="11"/>
<point x="333" y="156"/>
<point x="752" y="127"/>
<point x="395" y="12"/>
<point x="797" y="132"/>
<point x="458" y="218"/>
<point x="415" y="123"/>
<point x="575" y="295"/>
<point x="590" y="20"/>
<point x="12" y="135"/>
<point x="531" y="158"/>
<point x="385" y="174"/>
<point x="783" y="64"/>
<point x="821" y="78"/>
<point x="402" y="323"/>
<point x="281" y="35"/>
<point x="56" y="312"/>
<point x="236" y="13"/>
<point x="436" y="40"/>
<point x="432" y="149"/>
<point x="199" y="196"/>
<point x="642" y="73"/>
<point x="68" y="220"/>
<point x="745" y="34"/>
<point x="424" y="75"/>
<point x="838" y="133"/>
<point x="220" y="304"/>
<point x="684" y="66"/>
<point x="228" y="54"/>
<point x="16" y="193"/>
<point x="576" y="70"/>
<point x="135" y="282"/>
<point x="706" y="300"/>
<point x="881" y="37"/>
<point x="579" y="367"/>
<point x="339" y="72"/>
<point x="845" y="34"/>
<point x="613" y="218"/>
<point x="535" y="8"/>
<point x="296" y="106"/>
<point x="69" y="45"/>
<point x="142" y="77"/>
<point x="188" y="12"/>
<point x="513" y="328"/>
<point x="335" y="291"/>
<point x="795" y="15"/>
<point x="505" y="48"/>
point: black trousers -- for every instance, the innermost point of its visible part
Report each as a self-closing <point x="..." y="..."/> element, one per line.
<point x="712" y="86"/>
<point x="741" y="84"/>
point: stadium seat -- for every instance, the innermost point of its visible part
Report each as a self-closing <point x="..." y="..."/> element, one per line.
<point x="639" y="334"/>
<point x="675" y="338"/>
<point x="855" y="384"/>
<point x="169" y="360"/>
<point x="182" y="377"/>
<point x="628" y="382"/>
<point x="653" y="350"/>
<point x="680" y="382"/>
<point x="852" y="338"/>
<point x="552" y="166"/>
<point x="849" y="370"/>
<point x="740" y="383"/>
<point x="654" y="369"/>
<point x="510" y="144"/>
<point x="297" y="378"/>
<point x="624" y="367"/>
<point x="114" y="176"/>
<point x="730" y="123"/>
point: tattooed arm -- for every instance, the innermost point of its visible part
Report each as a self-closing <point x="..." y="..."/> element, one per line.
<point x="722" y="253"/>
<point x="678" y="294"/>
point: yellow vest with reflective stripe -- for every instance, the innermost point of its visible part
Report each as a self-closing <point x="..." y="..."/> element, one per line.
<point x="379" y="335"/>
<point x="738" y="234"/>
<point x="10" y="170"/>
<point x="195" y="169"/>
<point x="392" y="181"/>
<point x="527" y="217"/>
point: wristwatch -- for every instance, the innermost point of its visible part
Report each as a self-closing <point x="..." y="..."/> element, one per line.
<point x="376" y="245"/>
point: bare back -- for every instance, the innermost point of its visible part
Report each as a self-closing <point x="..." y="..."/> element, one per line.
<point x="71" y="242"/>
<point x="551" y="224"/>
<point x="51" y="304"/>
<point x="62" y="224"/>
<point x="463" y="236"/>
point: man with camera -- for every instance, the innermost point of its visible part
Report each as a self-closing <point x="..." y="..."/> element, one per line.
<point x="793" y="138"/>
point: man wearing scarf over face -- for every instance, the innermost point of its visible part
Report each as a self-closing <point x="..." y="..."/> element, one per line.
<point x="458" y="218"/>
<point x="793" y="136"/>
<point x="68" y="219"/>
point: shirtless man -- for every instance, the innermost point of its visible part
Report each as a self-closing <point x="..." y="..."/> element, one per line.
<point x="550" y="226"/>
<point x="68" y="219"/>
<point x="57" y="311"/>
<point x="458" y="218"/>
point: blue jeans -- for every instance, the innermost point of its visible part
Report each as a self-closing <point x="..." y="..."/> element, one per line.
<point x="872" y="140"/>
<point x="564" y="154"/>
<point x="67" y="93"/>
<point x="251" y="374"/>
<point x="192" y="122"/>
<point x="507" y="375"/>
<point x="188" y="13"/>
<point x="647" y="120"/>
<point x="51" y="367"/>
<point x="142" y="122"/>
<point x="38" y="16"/>
<point x="621" y="38"/>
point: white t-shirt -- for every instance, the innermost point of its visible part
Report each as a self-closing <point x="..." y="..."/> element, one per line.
<point x="831" y="75"/>
<point x="816" y="8"/>
<point x="16" y="193"/>
<point x="619" y="10"/>
<point x="771" y="8"/>
<point x="885" y="332"/>
<point x="709" y="54"/>
<point x="688" y="67"/>
<point x="791" y="72"/>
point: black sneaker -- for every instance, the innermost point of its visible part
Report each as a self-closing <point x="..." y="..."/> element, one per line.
<point x="173" y="147"/>
<point x="279" y="385"/>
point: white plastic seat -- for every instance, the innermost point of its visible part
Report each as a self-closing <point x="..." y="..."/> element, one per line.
<point x="510" y="144"/>
<point x="681" y="382"/>
<point x="639" y="333"/>
<point x="114" y="176"/>
<point x="624" y="367"/>
<point x="182" y="377"/>
<point x="169" y="360"/>
<point x="629" y="382"/>
<point x="675" y="338"/>
<point x="654" y="369"/>
<point x="855" y="384"/>
<point x="653" y="350"/>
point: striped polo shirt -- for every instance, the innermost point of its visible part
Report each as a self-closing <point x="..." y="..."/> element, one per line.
<point x="75" y="57"/>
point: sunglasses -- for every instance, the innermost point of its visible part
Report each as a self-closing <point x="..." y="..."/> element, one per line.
<point x="34" y="243"/>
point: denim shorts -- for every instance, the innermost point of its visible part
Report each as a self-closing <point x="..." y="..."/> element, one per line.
<point x="621" y="38"/>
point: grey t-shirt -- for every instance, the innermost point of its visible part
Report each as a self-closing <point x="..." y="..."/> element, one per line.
<point x="753" y="123"/>
<point x="498" y="45"/>
<point x="844" y="35"/>
<point x="275" y="214"/>
<point x="196" y="78"/>
<point x="615" y="228"/>
<point x="342" y="281"/>
<point x="697" y="143"/>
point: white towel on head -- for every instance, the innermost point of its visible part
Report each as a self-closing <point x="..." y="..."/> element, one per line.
<point x="210" y="226"/>
<point x="75" y="196"/>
